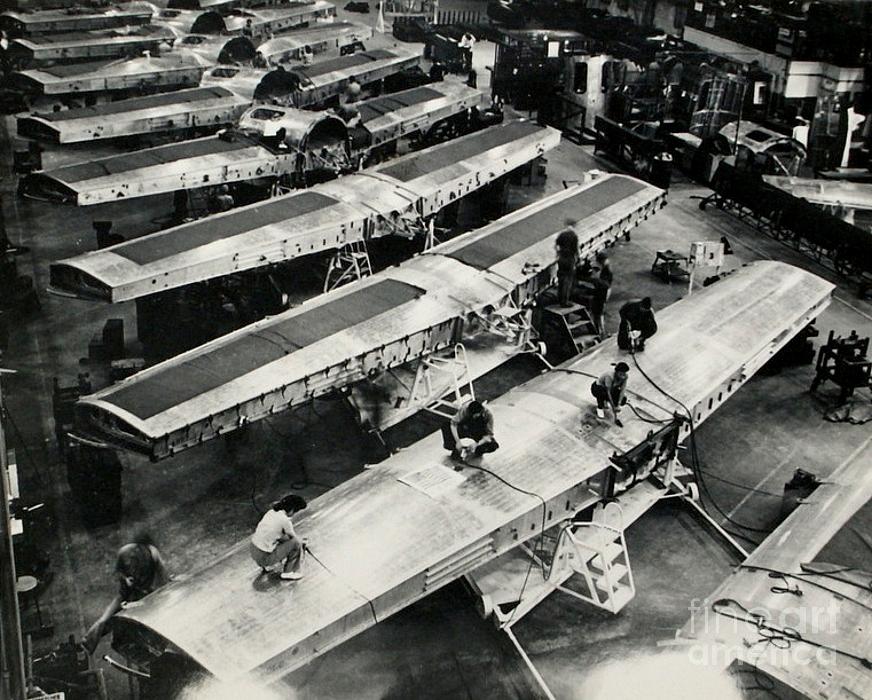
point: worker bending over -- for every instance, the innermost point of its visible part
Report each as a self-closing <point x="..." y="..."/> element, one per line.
<point x="610" y="389"/>
<point x="275" y="540"/>
<point x="470" y="432"/>
<point x="637" y="324"/>
<point x="140" y="570"/>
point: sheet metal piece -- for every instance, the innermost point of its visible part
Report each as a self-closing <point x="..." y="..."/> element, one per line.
<point x="184" y="109"/>
<point x="17" y="24"/>
<point x="827" y="610"/>
<point x="431" y="321"/>
<point x="88" y="46"/>
<point x="152" y="72"/>
<point x="321" y="38"/>
<point x="392" y="544"/>
<point x="240" y="240"/>
<point x="851" y="195"/>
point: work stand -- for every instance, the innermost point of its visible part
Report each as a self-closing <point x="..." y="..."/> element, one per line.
<point x="846" y="363"/>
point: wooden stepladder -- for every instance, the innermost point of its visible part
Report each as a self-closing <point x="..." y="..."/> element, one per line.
<point x="575" y="323"/>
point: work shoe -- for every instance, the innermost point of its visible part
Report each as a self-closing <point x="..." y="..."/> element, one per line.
<point x="291" y="575"/>
<point x="600" y="413"/>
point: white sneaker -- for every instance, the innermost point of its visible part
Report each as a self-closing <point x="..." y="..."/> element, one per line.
<point x="291" y="575"/>
<point x="600" y="413"/>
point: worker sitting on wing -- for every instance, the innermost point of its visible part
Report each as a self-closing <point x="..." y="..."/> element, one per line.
<point x="470" y="432"/>
<point x="275" y="541"/>
<point x="610" y="389"/>
<point x="637" y="324"/>
<point x="140" y="570"/>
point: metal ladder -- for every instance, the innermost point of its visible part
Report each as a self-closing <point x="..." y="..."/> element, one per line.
<point x="456" y="367"/>
<point x="597" y="551"/>
<point x="350" y="262"/>
<point x="576" y="323"/>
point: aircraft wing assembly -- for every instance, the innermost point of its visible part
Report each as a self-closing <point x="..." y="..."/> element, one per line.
<point x="320" y="38"/>
<point x="184" y="109"/>
<point x="79" y="46"/>
<point x="170" y="71"/>
<point x="851" y="195"/>
<point x="817" y="614"/>
<point x="403" y="529"/>
<point x="324" y="217"/>
<point x="384" y="321"/>
<point x="233" y="156"/>
<point x="74" y="20"/>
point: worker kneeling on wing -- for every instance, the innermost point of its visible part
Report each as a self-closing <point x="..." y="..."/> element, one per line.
<point x="275" y="540"/>
<point x="610" y="389"/>
<point x="637" y="324"/>
<point x="140" y="570"/>
<point x="470" y="433"/>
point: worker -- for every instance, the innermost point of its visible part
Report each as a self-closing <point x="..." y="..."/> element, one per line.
<point x="466" y="45"/>
<point x="605" y="271"/>
<point x="140" y="570"/>
<point x="248" y="29"/>
<point x="637" y="324"/>
<point x="567" y="266"/>
<point x="437" y="72"/>
<point x="222" y="201"/>
<point x="470" y="432"/>
<point x="610" y="388"/>
<point x="275" y="541"/>
<point x="352" y="91"/>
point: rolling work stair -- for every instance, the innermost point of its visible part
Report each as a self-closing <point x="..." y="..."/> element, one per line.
<point x="574" y="322"/>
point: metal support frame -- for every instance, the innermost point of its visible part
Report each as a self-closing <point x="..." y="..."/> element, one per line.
<point x="13" y="681"/>
<point x="428" y="393"/>
<point x="349" y="263"/>
<point x="512" y="322"/>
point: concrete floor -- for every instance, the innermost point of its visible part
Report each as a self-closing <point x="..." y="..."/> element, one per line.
<point x="199" y="503"/>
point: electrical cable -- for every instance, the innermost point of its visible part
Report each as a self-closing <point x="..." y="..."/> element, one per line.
<point x="779" y="637"/>
<point x="694" y="453"/>
<point x="805" y="577"/>
<point x="741" y="486"/>
<point x="541" y="532"/>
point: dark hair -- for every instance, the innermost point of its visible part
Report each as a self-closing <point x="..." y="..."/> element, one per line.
<point x="476" y="406"/>
<point x="622" y="367"/>
<point x="567" y="240"/>
<point x="646" y="303"/>
<point x="292" y="502"/>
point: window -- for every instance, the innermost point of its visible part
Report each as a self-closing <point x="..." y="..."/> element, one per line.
<point x="579" y="79"/>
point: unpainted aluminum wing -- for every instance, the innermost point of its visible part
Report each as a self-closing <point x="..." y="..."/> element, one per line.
<point x="401" y="530"/>
<point x="156" y="413"/>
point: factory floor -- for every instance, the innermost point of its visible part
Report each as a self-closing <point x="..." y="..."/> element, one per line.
<point x="197" y="504"/>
